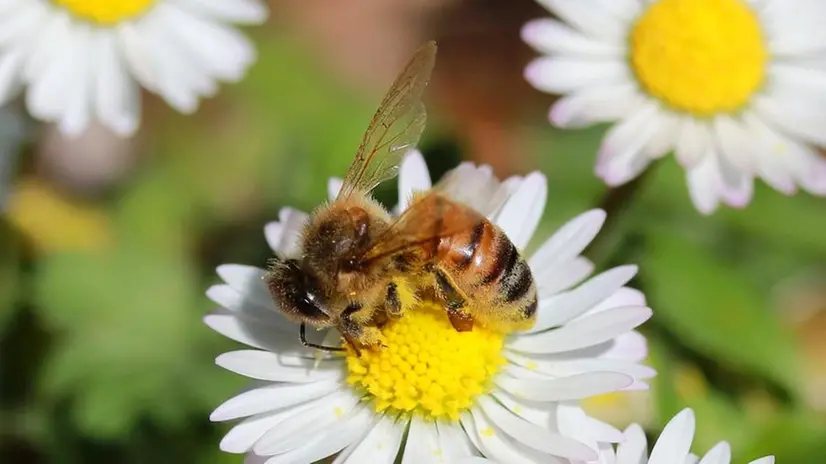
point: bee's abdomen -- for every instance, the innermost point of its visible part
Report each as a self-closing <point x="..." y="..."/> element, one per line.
<point x="489" y="269"/>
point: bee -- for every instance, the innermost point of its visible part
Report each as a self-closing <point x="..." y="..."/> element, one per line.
<point x="359" y="266"/>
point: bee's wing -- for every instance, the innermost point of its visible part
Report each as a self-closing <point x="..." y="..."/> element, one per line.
<point x="429" y="218"/>
<point x="395" y="128"/>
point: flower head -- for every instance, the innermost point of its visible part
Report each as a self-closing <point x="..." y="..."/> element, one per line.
<point x="85" y="59"/>
<point x="446" y="395"/>
<point x="733" y="87"/>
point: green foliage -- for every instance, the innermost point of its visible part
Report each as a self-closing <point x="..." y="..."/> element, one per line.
<point x="713" y="310"/>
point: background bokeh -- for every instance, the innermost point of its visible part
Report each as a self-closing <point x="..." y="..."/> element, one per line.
<point x="107" y="245"/>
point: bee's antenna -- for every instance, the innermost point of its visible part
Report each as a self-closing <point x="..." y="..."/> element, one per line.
<point x="302" y="335"/>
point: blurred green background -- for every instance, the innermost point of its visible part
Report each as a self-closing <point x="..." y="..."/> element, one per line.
<point x="104" y="259"/>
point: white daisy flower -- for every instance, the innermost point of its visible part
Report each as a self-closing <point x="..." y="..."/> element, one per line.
<point x="734" y="87"/>
<point x="672" y="447"/>
<point x="84" y="59"/>
<point x="435" y="394"/>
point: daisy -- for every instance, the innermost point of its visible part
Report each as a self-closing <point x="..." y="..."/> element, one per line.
<point x="672" y="447"/>
<point x="434" y="394"/>
<point x="734" y="87"/>
<point x="84" y="59"/>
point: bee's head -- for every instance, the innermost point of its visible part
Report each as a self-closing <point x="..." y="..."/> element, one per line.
<point x="298" y="293"/>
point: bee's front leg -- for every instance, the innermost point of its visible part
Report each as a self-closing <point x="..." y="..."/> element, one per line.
<point x="352" y="325"/>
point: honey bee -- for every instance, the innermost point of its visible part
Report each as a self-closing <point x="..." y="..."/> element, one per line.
<point x="360" y="267"/>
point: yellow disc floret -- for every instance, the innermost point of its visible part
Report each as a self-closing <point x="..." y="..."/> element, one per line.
<point x="106" y="12"/>
<point x="426" y="367"/>
<point x="703" y="57"/>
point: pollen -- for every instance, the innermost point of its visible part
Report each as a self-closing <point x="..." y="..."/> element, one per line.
<point x="106" y="12"/>
<point x="426" y="367"/>
<point x="703" y="57"/>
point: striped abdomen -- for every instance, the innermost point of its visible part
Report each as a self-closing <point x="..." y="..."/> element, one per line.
<point x="486" y="268"/>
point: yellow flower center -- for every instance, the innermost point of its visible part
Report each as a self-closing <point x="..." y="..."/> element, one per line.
<point x="426" y="367"/>
<point x="703" y="57"/>
<point x="106" y="12"/>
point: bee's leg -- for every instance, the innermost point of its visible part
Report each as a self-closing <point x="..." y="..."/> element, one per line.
<point x="454" y="303"/>
<point x="355" y="332"/>
<point x="399" y="296"/>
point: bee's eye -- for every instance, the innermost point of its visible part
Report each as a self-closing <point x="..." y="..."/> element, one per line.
<point x="349" y="265"/>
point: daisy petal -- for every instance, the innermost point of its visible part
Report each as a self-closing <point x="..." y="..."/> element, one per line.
<point x="693" y="142"/>
<point x="560" y="74"/>
<point x="634" y="449"/>
<point x="333" y="187"/>
<point x="586" y="331"/>
<point x="413" y="177"/>
<point x="675" y="439"/>
<point x="263" y="365"/>
<point x="600" y="103"/>
<point x="328" y="413"/>
<point x="719" y="454"/>
<point x="499" y="446"/>
<point x="454" y="442"/>
<point x="569" y="241"/>
<point x="522" y="212"/>
<point x="243" y="435"/>
<point x="283" y="236"/>
<point x="621" y="157"/>
<point x="328" y="443"/>
<point x="272" y="397"/>
<point x="235" y="11"/>
<point x="597" y="22"/>
<point x="566" y="388"/>
<point x="533" y="436"/>
<point x="550" y="36"/>
<point x="422" y="443"/>
<point x="381" y="445"/>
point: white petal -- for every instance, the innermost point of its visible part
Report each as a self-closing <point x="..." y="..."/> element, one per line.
<point x="216" y="49"/>
<point x="522" y="212"/>
<point x="771" y="165"/>
<point x="264" y="365"/>
<point x="454" y="442"/>
<point x="805" y="165"/>
<point x="243" y="436"/>
<point x="551" y="281"/>
<point x="562" y="74"/>
<point x="235" y="11"/>
<point x="117" y="96"/>
<point x="675" y="440"/>
<point x="422" y="443"/>
<point x="331" y="411"/>
<point x="380" y="446"/>
<point x="533" y="436"/>
<point x="665" y="137"/>
<point x="328" y="443"/>
<point x="274" y="397"/>
<point x="764" y="460"/>
<point x="564" y="367"/>
<point x="413" y="177"/>
<point x="735" y="143"/>
<point x="576" y="302"/>
<point x="333" y="187"/>
<point x="693" y="141"/>
<point x="573" y="422"/>
<point x="795" y="116"/>
<point x="549" y="36"/>
<point x="704" y="184"/>
<point x="634" y="449"/>
<point x="283" y="236"/>
<point x="588" y="18"/>
<point x="624" y="296"/>
<point x="621" y="156"/>
<point x="497" y="445"/>
<point x="78" y="109"/>
<point x="719" y="454"/>
<point x="583" y="332"/>
<point x="568" y="241"/>
<point x="599" y="103"/>
<point x="566" y="388"/>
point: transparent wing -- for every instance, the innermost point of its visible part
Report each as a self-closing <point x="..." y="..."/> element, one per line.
<point x="429" y="218"/>
<point x="395" y="128"/>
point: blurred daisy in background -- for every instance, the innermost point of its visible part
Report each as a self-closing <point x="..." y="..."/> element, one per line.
<point x="435" y="393"/>
<point x="736" y="88"/>
<point x="80" y="60"/>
